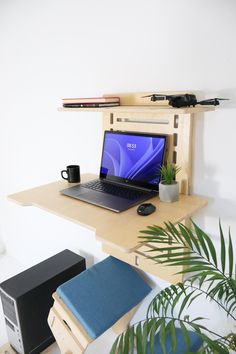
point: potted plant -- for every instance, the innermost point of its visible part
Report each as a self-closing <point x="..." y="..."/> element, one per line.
<point x="209" y="276"/>
<point x="168" y="186"/>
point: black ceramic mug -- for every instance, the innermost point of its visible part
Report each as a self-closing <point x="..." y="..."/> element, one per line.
<point x="73" y="173"/>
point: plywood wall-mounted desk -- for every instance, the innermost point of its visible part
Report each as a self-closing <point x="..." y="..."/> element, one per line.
<point x="119" y="233"/>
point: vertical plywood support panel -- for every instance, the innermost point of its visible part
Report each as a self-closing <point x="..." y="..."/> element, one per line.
<point x="108" y="120"/>
<point x="184" y="151"/>
<point x="178" y="127"/>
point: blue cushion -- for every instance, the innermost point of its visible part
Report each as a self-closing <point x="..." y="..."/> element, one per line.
<point x="181" y="346"/>
<point x="102" y="294"/>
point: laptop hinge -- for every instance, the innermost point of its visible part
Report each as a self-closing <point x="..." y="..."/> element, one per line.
<point x="129" y="186"/>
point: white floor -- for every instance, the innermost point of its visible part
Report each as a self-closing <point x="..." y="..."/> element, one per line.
<point x="217" y="321"/>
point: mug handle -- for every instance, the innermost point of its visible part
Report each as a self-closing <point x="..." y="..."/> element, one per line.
<point x="63" y="176"/>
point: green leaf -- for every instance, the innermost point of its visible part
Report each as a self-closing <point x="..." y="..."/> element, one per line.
<point x="114" y="346"/>
<point x="215" y="291"/>
<point x="152" y="339"/>
<point x="120" y="346"/>
<point x="131" y="340"/>
<point x="164" y="299"/>
<point x="192" y="238"/>
<point x="176" y="254"/>
<point x="162" y="336"/>
<point x="201" y="280"/>
<point x="230" y="298"/>
<point x="126" y="349"/>
<point x="200" y="236"/>
<point x="186" y="236"/>
<point x="231" y="307"/>
<point x="159" y="231"/>
<point x="222" y="248"/>
<point x="231" y="256"/>
<point x="139" y="339"/>
<point x="168" y="172"/>
<point x="195" y="269"/>
<point x="215" y="346"/>
<point x="175" y="301"/>
<point x="152" y="240"/>
<point x="174" y="233"/>
<point x="144" y="339"/>
<point x="216" y="277"/>
<point x="161" y="249"/>
<point x="188" y="261"/>
<point x="152" y="232"/>
<point x="184" y="302"/>
<point x="198" y="319"/>
<point x="194" y="298"/>
<point x="173" y="336"/>
<point x="168" y="291"/>
<point x="209" y="243"/>
<point x="174" y="288"/>
<point x="185" y="333"/>
<point x="211" y="249"/>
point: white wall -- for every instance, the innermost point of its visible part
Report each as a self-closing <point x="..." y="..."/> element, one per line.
<point x="52" y="49"/>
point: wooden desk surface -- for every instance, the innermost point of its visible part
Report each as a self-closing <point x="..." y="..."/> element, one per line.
<point x="119" y="230"/>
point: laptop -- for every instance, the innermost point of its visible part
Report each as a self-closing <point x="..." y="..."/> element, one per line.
<point x="128" y="173"/>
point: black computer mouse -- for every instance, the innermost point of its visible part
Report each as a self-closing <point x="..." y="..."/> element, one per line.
<point x="146" y="209"/>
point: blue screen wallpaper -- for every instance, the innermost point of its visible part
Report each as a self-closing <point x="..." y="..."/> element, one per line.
<point x="136" y="158"/>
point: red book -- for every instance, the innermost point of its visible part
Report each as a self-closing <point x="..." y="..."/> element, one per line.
<point x="91" y="100"/>
<point x="90" y="105"/>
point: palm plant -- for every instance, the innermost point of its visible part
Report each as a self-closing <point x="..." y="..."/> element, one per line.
<point x="208" y="276"/>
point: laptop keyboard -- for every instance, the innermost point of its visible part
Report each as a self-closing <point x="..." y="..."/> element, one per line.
<point x="112" y="189"/>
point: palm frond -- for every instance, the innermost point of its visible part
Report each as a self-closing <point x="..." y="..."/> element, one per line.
<point x="209" y="275"/>
<point x="143" y="337"/>
<point x="195" y="252"/>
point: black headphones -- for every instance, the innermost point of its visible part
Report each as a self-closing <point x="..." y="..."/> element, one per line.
<point x="184" y="100"/>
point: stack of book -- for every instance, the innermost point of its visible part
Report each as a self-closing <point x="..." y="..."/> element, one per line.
<point x="91" y="102"/>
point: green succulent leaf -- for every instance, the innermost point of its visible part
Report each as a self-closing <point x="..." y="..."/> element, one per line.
<point x="168" y="172"/>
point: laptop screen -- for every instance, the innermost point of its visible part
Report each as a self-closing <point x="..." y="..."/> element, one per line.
<point x="133" y="158"/>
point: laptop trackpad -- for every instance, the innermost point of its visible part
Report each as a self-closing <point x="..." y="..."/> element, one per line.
<point x="83" y="193"/>
<point x="102" y="199"/>
<point x="94" y="196"/>
<point x="99" y="197"/>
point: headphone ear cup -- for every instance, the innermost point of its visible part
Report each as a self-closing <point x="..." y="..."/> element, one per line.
<point x="189" y="99"/>
<point x="171" y="102"/>
<point x="177" y="102"/>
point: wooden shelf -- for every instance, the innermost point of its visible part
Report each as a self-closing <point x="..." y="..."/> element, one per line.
<point x="118" y="230"/>
<point x="134" y="102"/>
<point x="142" y="109"/>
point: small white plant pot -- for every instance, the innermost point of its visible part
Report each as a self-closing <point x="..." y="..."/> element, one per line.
<point x="169" y="192"/>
